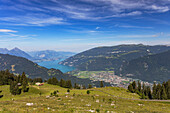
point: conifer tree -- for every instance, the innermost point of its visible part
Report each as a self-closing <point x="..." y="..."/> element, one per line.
<point x="143" y="87"/>
<point x="158" y="90"/>
<point x="158" y="95"/>
<point x="54" y="81"/>
<point x="62" y="83"/>
<point x="149" y="93"/>
<point x="11" y="87"/>
<point x="143" y="95"/>
<point x="139" y="86"/>
<point x="49" y="81"/>
<point x="17" y="90"/>
<point x="90" y="86"/>
<point x="1" y="95"/>
<point x="134" y="86"/>
<point x="23" y="76"/>
<point x="168" y="89"/>
<point x="146" y="91"/>
<point x="18" y="78"/>
<point x="75" y="85"/>
<point x="24" y="85"/>
<point x="101" y="84"/>
<point x="24" y="82"/>
<point x="154" y="91"/>
<point x="163" y="93"/>
<point x="130" y="88"/>
<point x="84" y="87"/>
<point x="14" y="88"/>
<point x="68" y="84"/>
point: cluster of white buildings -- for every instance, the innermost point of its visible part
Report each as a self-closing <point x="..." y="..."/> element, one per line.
<point x="114" y="80"/>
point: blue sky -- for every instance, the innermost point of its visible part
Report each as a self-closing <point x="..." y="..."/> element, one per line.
<point x="78" y="25"/>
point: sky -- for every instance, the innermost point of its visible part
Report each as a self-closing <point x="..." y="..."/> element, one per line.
<point x="78" y="25"/>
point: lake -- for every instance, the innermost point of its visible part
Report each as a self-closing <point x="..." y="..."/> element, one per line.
<point x="54" y="64"/>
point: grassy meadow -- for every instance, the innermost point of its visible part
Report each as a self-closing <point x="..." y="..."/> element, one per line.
<point x="103" y="100"/>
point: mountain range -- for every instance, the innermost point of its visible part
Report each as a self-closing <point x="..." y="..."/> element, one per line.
<point x="16" y="52"/>
<point x="37" y="56"/>
<point x="148" y="63"/>
<point x="111" y="58"/>
<point x="48" y="55"/>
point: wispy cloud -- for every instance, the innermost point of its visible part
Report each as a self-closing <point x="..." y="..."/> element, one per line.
<point x="120" y="6"/>
<point x="160" y="8"/>
<point x="131" y="26"/>
<point x="84" y="31"/>
<point x="134" y="13"/>
<point x="33" y="20"/>
<point x="7" y="31"/>
<point x="82" y="9"/>
<point x="7" y="36"/>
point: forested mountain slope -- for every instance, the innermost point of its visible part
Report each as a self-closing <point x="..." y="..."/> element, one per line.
<point x="148" y="68"/>
<point x="111" y="58"/>
<point x="18" y="65"/>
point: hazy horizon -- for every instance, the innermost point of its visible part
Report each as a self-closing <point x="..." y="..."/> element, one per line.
<point x="83" y="50"/>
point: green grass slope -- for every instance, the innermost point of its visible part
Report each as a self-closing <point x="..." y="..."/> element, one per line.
<point x="110" y="99"/>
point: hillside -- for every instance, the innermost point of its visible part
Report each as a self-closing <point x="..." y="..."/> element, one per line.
<point x="148" y="68"/>
<point x="110" y="58"/>
<point x="109" y="99"/>
<point x="18" y="65"/>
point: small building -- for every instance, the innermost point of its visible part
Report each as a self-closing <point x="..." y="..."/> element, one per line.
<point x="39" y="84"/>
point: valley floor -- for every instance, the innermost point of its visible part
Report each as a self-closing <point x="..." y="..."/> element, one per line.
<point x="103" y="100"/>
<point x="107" y="76"/>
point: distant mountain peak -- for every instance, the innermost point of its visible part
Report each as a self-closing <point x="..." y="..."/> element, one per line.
<point x="16" y="49"/>
<point x="18" y="52"/>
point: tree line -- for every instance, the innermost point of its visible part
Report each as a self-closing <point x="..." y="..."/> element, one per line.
<point x="61" y="83"/>
<point x="6" y="77"/>
<point x="67" y="83"/>
<point x="17" y="83"/>
<point x="159" y="91"/>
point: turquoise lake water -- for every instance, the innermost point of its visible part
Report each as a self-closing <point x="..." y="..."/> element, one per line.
<point x="54" y="64"/>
